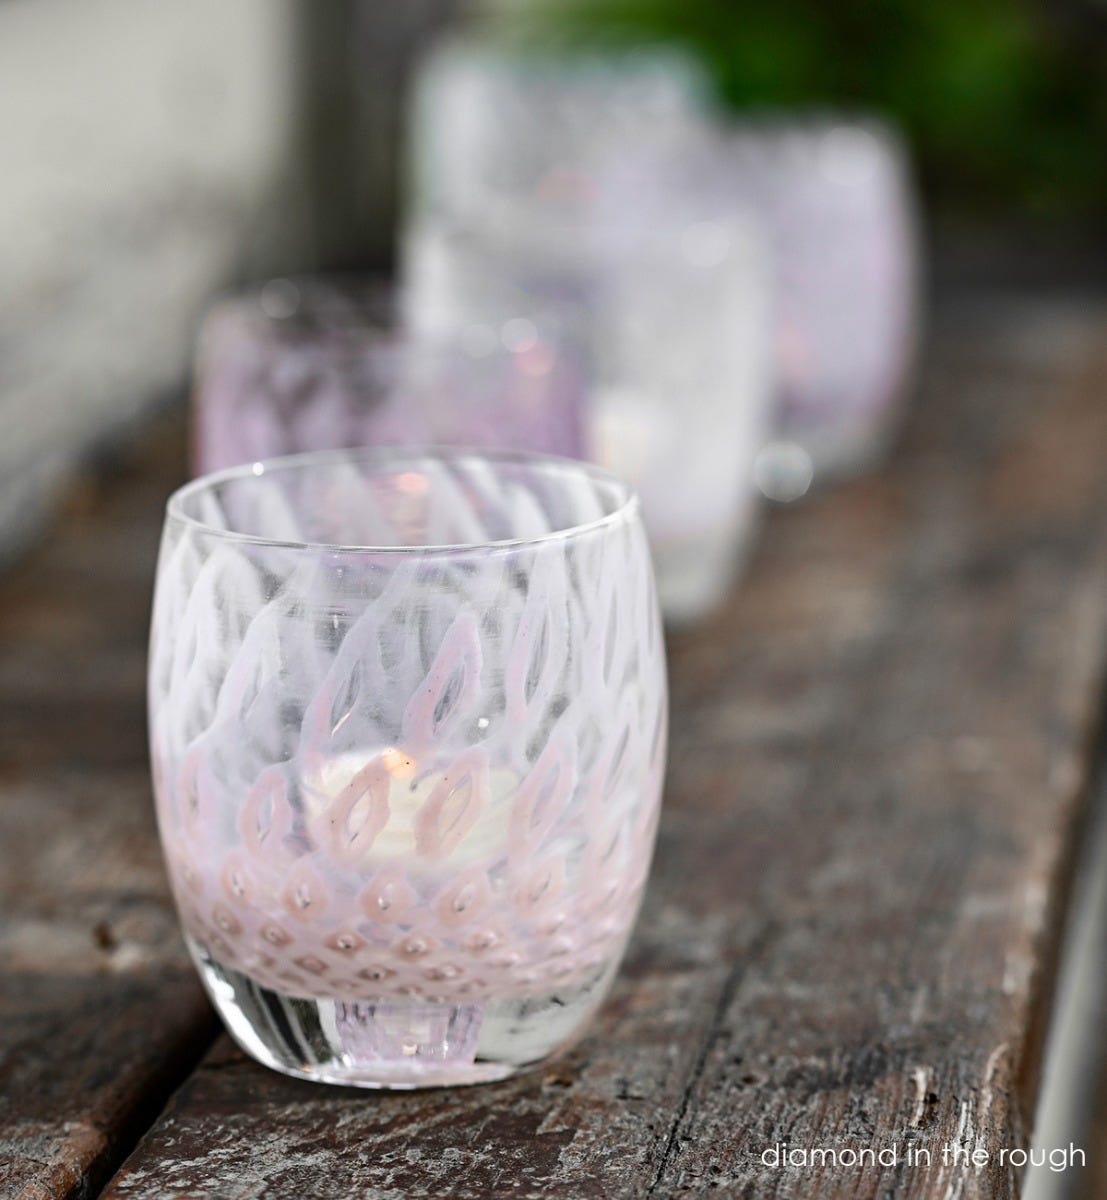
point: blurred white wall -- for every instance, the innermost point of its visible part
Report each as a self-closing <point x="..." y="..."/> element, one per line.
<point x="145" y="157"/>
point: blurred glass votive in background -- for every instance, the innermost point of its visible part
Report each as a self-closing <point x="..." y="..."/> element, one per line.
<point x="834" y="197"/>
<point x="493" y="119"/>
<point x="319" y="364"/>
<point x="589" y="184"/>
<point x="669" y="322"/>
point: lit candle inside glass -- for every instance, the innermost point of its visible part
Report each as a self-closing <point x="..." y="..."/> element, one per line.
<point x="384" y="809"/>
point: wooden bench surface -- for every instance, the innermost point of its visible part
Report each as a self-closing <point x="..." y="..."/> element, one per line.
<point x="881" y="754"/>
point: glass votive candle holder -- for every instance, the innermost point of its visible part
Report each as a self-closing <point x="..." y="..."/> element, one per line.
<point x="318" y="364"/>
<point x="834" y="197"/>
<point x="408" y="730"/>
<point x="493" y="116"/>
<point x="668" y="315"/>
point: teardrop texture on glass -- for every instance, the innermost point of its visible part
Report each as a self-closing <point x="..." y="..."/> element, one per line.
<point x="541" y="798"/>
<point x="388" y="897"/>
<point x="349" y="826"/>
<point x="266" y="816"/>
<point x="454" y="806"/>
<point x="450" y="688"/>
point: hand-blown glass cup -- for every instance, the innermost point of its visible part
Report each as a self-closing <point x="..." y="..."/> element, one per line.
<point x="834" y="195"/>
<point x="322" y="364"/>
<point x="670" y="315"/>
<point x="408" y="728"/>
<point x="587" y="184"/>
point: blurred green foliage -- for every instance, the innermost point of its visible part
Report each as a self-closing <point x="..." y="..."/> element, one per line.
<point x="1005" y="101"/>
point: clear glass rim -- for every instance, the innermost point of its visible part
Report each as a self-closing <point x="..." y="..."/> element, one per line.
<point x="380" y="328"/>
<point x="574" y="235"/>
<point x="626" y="502"/>
<point x="374" y="302"/>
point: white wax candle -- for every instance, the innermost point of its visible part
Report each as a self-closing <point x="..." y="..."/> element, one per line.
<point x="383" y="807"/>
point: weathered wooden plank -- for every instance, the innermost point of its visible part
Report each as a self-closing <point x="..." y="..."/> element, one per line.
<point x="878" y="757"/>
<point x="100" y="1014"/>
<point x="1074" y="1079"/>
<point x="897" y="1000"/>
<point x="1096" y="1185"/>
<point x="1090" y="987"/>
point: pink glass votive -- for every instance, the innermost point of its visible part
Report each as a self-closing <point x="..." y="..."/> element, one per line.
<point x="408" y="729"/>
<point x="303" y="365"/>
<point x="834" y="198"/>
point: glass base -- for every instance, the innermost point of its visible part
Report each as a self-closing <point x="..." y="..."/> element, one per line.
<point x="393" y="1044"/>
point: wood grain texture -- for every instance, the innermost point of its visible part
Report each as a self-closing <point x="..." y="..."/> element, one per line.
<point x="1097" y="1155"/>
<point x="100" y="1013"/>
<point x="879" y="755"/>
<point x="1094" y="1184"/>
<point x="878" y="758"/>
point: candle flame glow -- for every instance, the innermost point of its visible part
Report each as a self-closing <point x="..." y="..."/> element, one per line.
<point x="398" y="764"/>
<point x="412" y="483"/>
